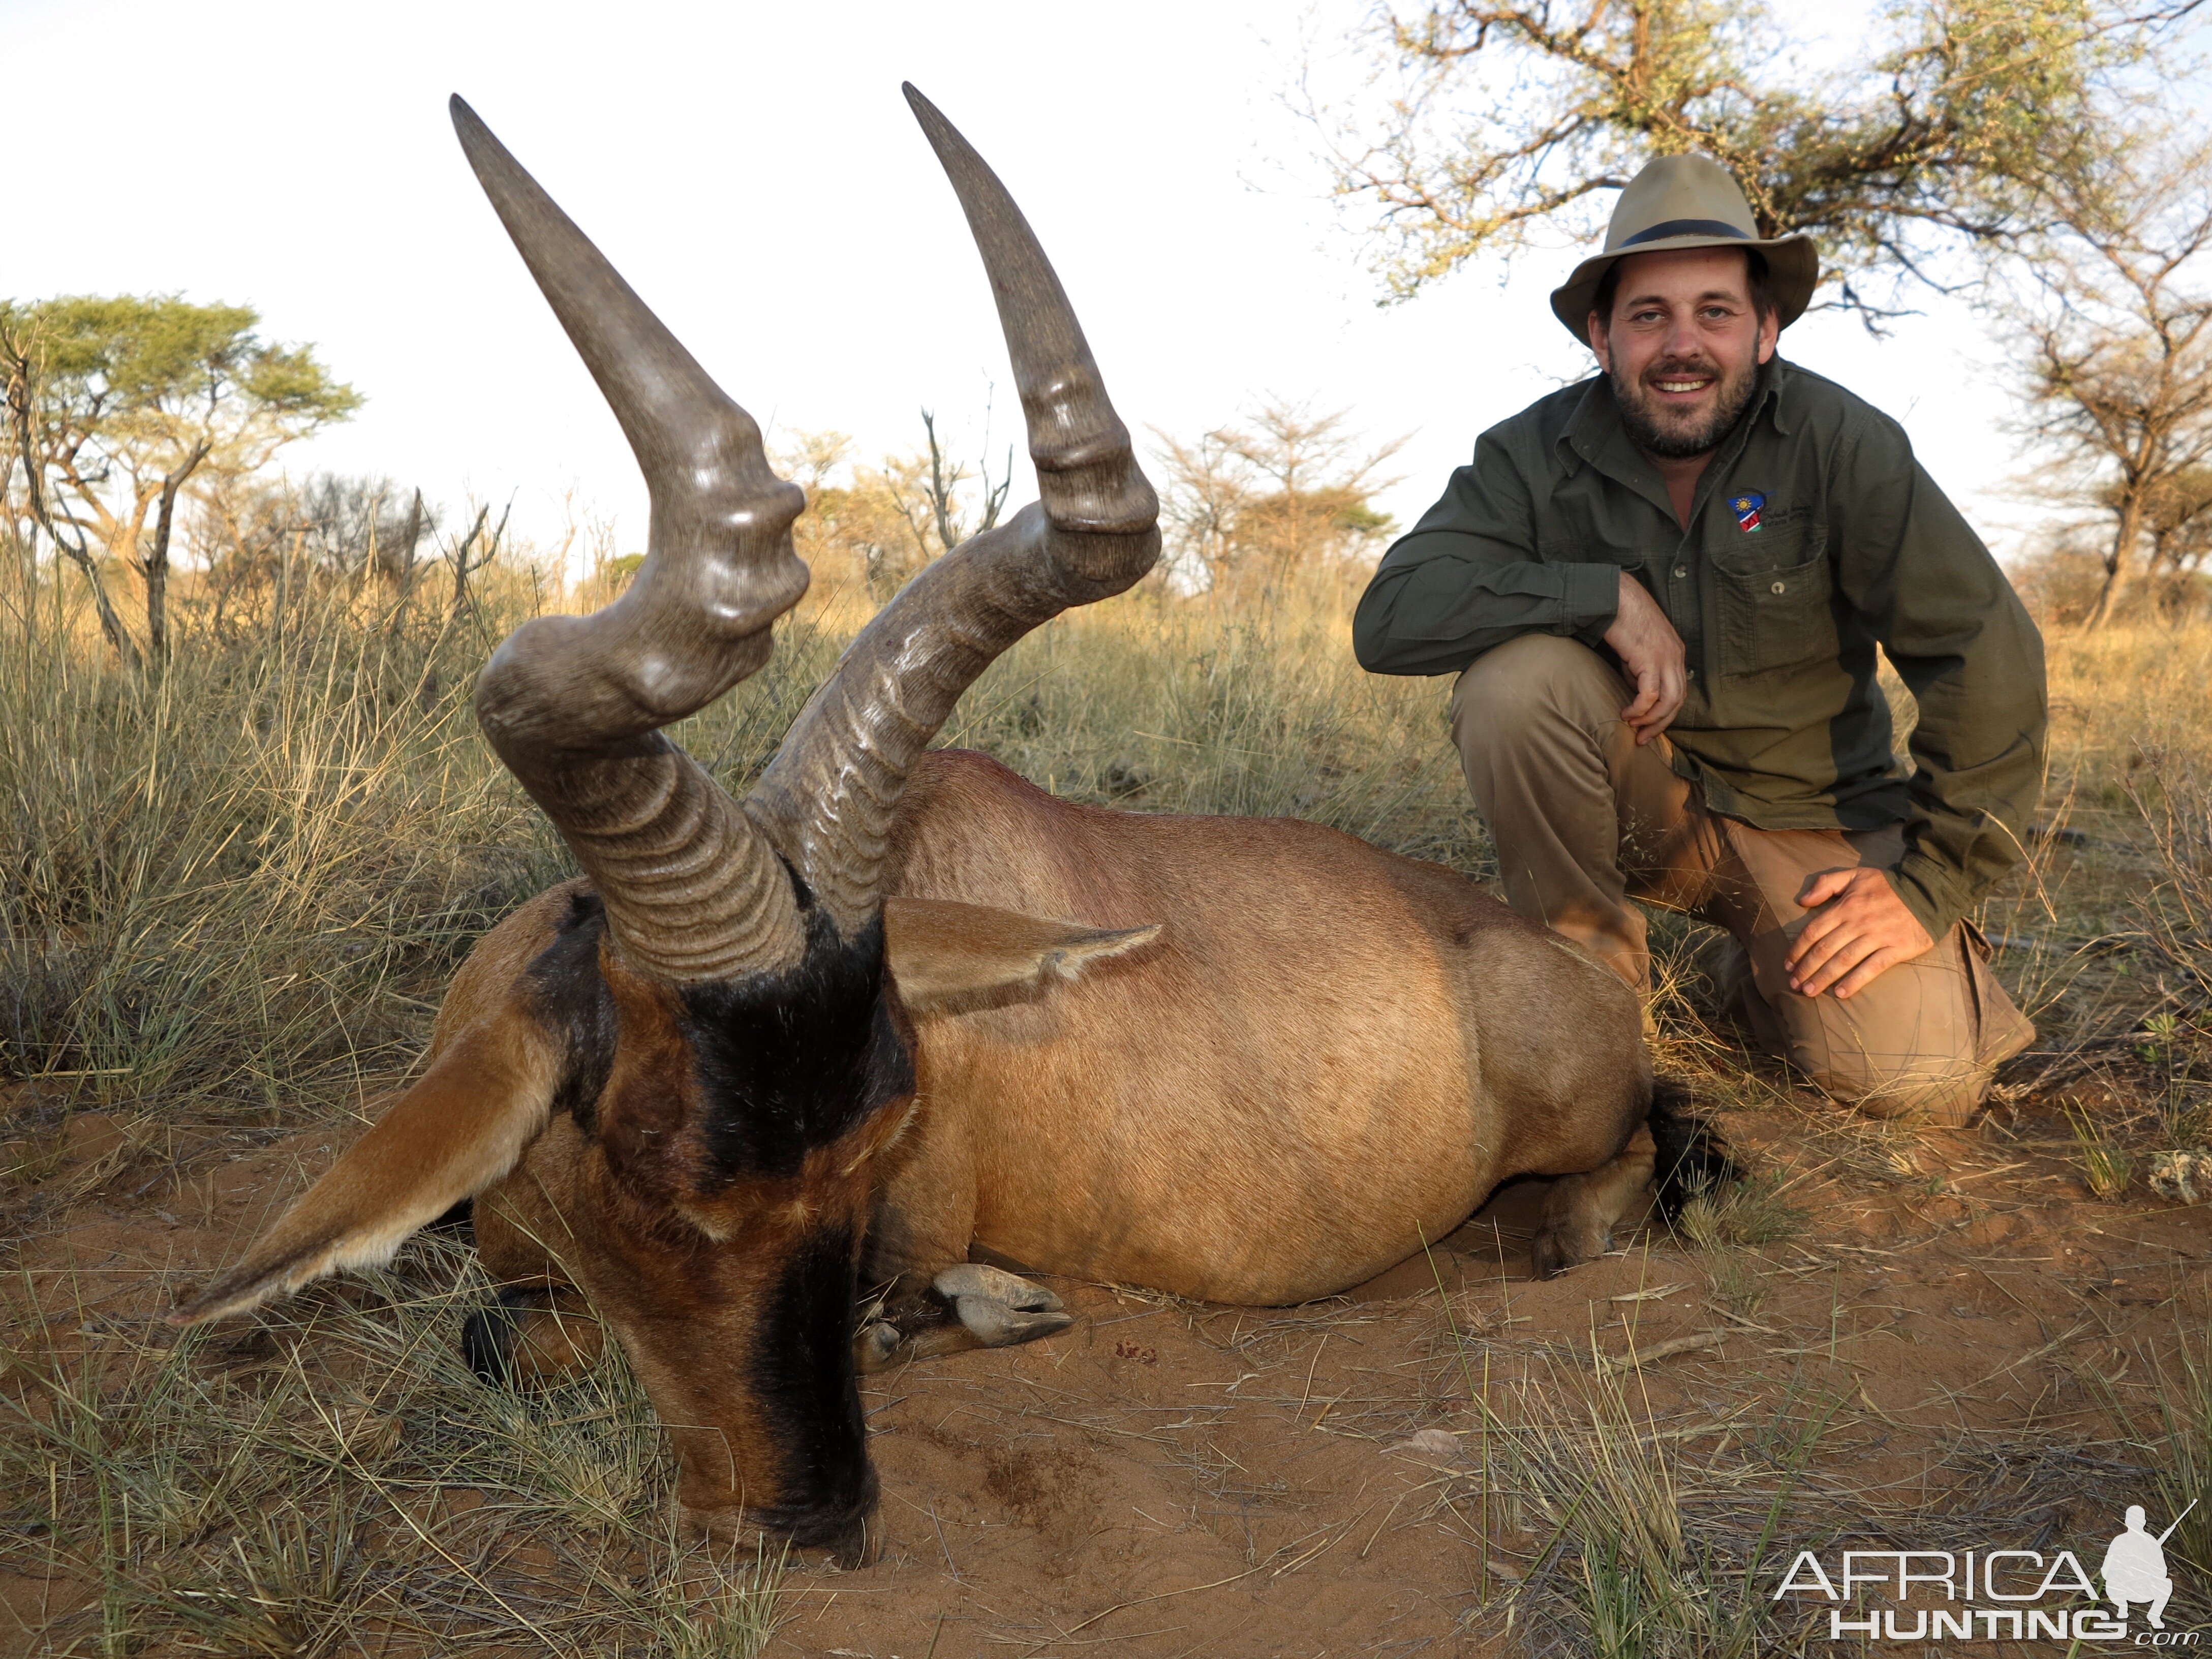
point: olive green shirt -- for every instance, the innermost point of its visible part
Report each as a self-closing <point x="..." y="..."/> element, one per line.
<point x="1815" y="537"/>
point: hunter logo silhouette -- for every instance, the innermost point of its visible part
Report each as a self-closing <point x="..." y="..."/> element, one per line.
<point x="2135" y="1568"/>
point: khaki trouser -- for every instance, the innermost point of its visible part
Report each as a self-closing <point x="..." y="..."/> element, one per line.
<point x="1585" y="820"/>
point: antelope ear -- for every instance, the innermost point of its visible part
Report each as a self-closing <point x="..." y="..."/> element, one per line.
<point x="943" y="952"/>
<point x="465" y="1124"/>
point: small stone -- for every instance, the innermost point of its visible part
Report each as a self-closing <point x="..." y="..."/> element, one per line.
<point x="1440" y="1444"/>
<point x="2179" y="1175"/>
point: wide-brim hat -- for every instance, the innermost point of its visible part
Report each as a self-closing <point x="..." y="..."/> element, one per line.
<point x="1688" y="201"/>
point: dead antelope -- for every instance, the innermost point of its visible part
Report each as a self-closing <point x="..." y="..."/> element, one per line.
<point x="897" y="1006"/>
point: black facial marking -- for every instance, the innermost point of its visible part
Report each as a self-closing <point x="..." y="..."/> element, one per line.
<point x="573" y="1000"/>
<point x="803" y="1375"/>
<point x="792" y="1061"/>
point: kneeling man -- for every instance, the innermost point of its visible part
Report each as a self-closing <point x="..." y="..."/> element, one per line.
<point x="1661" y="590"/>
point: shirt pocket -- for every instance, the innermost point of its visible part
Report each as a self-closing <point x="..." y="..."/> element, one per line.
<point x="1775" y="614"/>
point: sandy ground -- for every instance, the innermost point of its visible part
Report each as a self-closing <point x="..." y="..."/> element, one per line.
<point x="1166" y="1479"/>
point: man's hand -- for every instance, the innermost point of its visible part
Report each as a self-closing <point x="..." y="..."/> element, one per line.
<point x="1651" y="650"/>
<point x="1859" y="927"/>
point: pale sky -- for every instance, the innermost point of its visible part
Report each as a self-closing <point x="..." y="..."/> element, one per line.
<point x="753" y="170"/>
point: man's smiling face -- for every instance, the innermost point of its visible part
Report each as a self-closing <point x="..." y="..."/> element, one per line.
<point x="1682" y="347"/>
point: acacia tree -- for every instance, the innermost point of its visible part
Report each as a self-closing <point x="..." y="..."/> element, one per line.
<point x="2116" y="317"/>
<point x="119" y="401"/>
<point x="1508" y="118"/>
<point x="1287" y="490"/>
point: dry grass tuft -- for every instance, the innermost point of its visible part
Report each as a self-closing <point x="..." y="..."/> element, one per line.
<point x="1751" y="1212"/>
<point x="2105" y="1165"/>
<point x="1632" y="1550"/>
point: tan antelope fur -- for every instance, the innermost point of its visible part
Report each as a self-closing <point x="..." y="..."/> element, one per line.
<point x="898" y="1017"/>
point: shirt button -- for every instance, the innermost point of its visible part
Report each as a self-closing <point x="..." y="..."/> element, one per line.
<point x="1681" y="571"/>
<point x="1693" y="674"/>
<point x="1777" y="588"/>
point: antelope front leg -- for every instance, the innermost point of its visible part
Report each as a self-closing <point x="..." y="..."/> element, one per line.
<point x="533" y="1337"/>
<point x="538" y="1331"/>
<point x="1580" y="1210"/>
<point x="968" y="1305"/>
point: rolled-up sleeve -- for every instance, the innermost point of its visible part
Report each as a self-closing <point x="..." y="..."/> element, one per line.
<point x="1968" y="651"/>
<point x="1467" y="578"/>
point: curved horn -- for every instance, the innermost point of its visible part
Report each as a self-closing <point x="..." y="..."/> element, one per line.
<point x="574" y="705"/>
<point x="829" y="796"/>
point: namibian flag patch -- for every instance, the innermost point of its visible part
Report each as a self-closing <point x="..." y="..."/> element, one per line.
<point x="1746" y="507"/>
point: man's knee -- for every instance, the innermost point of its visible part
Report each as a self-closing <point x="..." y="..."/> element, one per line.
<point x="1536" y="684"/>
<point x="1920" y="1040"/>
<point x="1907" y="1045"/>
<point x="1941" y="1090"/>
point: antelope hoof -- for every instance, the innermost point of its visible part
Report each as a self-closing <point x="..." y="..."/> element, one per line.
<point x="975" y="1278"/>
<point x="995" y="1325"/>
<point x="1559" y="1248"/>
<point x="997" y="1308"/>
<point x="876" y="1345"/>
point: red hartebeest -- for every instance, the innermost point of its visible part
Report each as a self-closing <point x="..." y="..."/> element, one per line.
<point x="895" y="1007"/>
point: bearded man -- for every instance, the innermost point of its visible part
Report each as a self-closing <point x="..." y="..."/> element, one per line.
<point x="1661" y="590"/>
